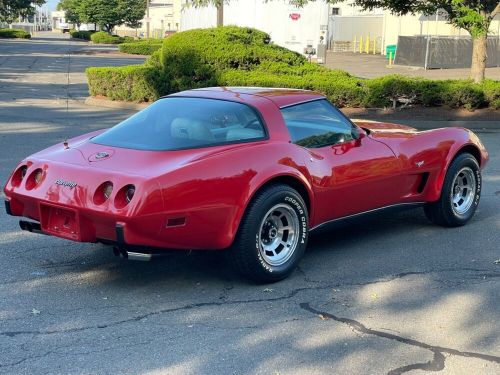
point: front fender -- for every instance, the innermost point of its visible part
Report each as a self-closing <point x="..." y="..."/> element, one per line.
<point x="464" y="140"/>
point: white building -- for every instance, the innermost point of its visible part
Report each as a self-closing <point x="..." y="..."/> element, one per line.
<point x="296" y="28"/>
<point x="289" y="26"/>
<point x="164" y="18"/>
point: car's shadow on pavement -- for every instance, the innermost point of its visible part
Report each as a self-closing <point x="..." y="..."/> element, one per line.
<point x="365" y="242"/>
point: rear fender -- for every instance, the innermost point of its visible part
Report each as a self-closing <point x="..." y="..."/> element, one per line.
<point x="267" y="178"/>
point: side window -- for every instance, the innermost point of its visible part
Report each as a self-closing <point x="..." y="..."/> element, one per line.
<point x="317" y="124"/>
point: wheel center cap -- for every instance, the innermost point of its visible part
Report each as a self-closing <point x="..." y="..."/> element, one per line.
<point x="457" y="189"/>
<point x="273" y="233"/>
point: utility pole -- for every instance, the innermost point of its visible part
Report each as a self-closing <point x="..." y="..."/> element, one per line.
<point x="34" y="23"/>
<point x="148" y="20"/>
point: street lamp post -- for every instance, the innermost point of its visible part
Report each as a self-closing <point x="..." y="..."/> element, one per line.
<point x="148" y="20"/>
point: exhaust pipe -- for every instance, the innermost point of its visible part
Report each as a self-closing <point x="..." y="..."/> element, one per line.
<point x="30" y="226"/>
<point x="131" y="255"/>
<point x="141" y="257"/>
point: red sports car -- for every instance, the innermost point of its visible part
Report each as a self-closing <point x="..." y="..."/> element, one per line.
<point x="250" y="170"/>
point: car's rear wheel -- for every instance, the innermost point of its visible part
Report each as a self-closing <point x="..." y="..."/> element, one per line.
<point x="460" y="194"/>
<point x="272" y="236"/>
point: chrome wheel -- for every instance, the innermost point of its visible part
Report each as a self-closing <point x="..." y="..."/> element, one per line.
<point x="463" y="190"/>
<point x="278" y="235"/>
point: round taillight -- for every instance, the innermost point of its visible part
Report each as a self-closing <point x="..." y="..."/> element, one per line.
<point x="18" y="176"/>
<point x="103" y="192"/>
<point x="38" y="176"/>
<point x="124" y="196"/>
<point x="107" y="190"/>
<point x="34" y="179"/>
<point x="129" y="193"/>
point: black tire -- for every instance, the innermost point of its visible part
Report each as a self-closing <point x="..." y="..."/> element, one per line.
<point x="247" y="253"/>
<point x="444" y="211"/>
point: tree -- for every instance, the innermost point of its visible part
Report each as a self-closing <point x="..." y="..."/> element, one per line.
<point x="133" y="12"/>
<point x="12" y="9"/>
<point x="72" y="11"/>
<point x="110" y="13"/>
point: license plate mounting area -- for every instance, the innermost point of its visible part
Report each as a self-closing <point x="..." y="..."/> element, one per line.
<point x="60" y="221"/>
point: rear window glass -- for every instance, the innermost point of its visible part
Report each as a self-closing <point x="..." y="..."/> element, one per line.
<point x="180" y="123"/>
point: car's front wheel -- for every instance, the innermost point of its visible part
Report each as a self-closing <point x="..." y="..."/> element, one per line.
<point x="460" y="193"/>
<point x="272" y="236"/>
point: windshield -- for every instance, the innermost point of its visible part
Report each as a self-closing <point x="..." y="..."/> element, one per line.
<point x="178" y="123"/>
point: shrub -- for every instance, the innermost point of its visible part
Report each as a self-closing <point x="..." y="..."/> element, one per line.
<point x="227" y="47"/>
<point x="155" y="60"/>
<point x="429" y="93"/>
<point x="339" y="87"/>
<point x="492" y="93"/>
<point x="102" y="37"/>
<point x="14" y="33"/>
<point x="234" y="56"/>
<point x="135" y="83"/>
<point x="82" y="34"/>
<point x="146" y="47"/>
<point x="464" y="94"/>
<point x="381" y="92"/>
<point x="197" y="58"/>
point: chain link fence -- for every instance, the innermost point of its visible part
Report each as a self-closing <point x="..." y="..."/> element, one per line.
<point x="442" y="52"/>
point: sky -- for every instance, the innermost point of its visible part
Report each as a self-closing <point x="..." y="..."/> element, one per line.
<point x="51" y="4"/>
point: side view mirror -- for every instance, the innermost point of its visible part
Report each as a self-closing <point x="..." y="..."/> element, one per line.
<point x="359" y="134"/>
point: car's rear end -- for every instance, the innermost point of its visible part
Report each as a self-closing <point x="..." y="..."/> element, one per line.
<point x="82" y="200"/>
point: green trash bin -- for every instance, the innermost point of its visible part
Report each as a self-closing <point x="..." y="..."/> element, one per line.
<point x="390" y="48"/>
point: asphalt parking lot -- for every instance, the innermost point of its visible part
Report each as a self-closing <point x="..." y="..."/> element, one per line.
<point x="388" y="296"/>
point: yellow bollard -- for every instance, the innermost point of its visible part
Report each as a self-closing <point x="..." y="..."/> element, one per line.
<point x="354" y="49"/>
<point x="361" y="44"/>
<point x="390" y="58"/>
<point x="367" y="46"/>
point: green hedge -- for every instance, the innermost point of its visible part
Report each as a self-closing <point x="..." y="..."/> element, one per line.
<point x="234" y="56"/>
<point x="492" y="93"/>
<point x="339" y="87"/>
<point x="82" y="34"/>
<point x="196" y="57"/>
<point x="14" y="33"/>
<point x="135" y="83"/>
<point x="228" y="47"/>
<point x="146" y="47"/>
<point x="102" y="37"/>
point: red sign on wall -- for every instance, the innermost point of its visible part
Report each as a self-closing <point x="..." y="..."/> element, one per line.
<point x="294" y="16"/>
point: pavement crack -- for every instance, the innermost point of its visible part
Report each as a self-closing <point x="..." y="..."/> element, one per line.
<point x="359" y="327"/>
<point x="436" y="364"/>
<point x="225" y="292"/>
<point x="24" y="359"/>
<point x="140" y="317"/>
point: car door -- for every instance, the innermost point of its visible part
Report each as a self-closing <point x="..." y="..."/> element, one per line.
<point x="350" y="172"/>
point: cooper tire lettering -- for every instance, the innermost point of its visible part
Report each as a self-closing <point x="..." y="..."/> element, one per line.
<point x="266" y="264"/>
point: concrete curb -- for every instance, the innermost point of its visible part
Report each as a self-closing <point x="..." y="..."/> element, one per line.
<point x="117" y="104"/>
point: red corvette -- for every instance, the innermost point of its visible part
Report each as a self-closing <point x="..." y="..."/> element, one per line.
<point x="250" y="170"/>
